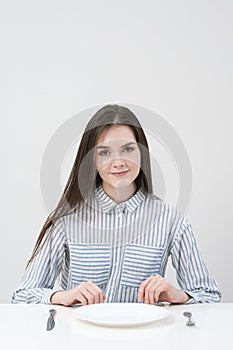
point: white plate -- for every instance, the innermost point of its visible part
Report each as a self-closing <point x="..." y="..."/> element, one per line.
<point x="120" y="314"/>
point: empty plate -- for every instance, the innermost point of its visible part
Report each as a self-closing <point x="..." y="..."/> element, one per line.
<point x="120" y="314"/>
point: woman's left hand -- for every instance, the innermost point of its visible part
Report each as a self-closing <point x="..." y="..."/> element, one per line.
<point x="156" y="288"/>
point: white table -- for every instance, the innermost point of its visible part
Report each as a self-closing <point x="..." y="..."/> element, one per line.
<point x="24" y="327"/>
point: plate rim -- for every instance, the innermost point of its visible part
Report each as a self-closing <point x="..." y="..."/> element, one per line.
<point x="76" y="315"/>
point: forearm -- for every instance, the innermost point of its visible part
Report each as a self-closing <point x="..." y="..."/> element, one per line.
<point x="204" y="296"/>
<point x="192" y="274"/>
<point x="33" y="296"/>
<point x="39" y="278"/>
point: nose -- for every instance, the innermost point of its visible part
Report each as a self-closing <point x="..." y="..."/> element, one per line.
<point x="118" y="162"/>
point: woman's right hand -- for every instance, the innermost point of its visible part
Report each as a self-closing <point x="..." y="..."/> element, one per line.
<point x="85" y="293"/>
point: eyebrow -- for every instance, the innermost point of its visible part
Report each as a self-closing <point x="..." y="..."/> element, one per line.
<point x="106" y="147"/>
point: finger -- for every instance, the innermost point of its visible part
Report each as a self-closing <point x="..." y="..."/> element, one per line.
<point x="158" y="291"/>
<point x="163" y="288"/>
<point x="142" y="287"/>
<point x="150" y="289"/>
<point x="95" y="291"/>
<point x="80" y="298"/>
<point x="150" y="292"/>
<point x="88" y="296"/>
<point x="99" y="291"/>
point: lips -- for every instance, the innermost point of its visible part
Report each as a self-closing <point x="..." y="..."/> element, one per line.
<point x="121" y="173"/>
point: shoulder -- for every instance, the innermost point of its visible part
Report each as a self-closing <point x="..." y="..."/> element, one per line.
<point x="56" y="231"/>
<point x="166" y="212"/>
<point x="158" y="203"/>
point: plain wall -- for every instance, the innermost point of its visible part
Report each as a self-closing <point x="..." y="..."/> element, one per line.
<point x="59" y="58"/>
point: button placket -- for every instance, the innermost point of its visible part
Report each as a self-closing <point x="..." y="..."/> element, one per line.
<point x="113" y="283"/>
<point x="121" y="209"/>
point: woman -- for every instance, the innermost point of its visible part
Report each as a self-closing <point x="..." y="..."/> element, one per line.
<point x="109" y="238"/>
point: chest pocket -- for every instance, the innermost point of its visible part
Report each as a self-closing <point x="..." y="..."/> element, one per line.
<point x="89" y="262"/>
<point x="140" y="262"/>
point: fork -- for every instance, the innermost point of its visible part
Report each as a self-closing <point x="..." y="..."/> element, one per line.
<point x="189" y="315"/>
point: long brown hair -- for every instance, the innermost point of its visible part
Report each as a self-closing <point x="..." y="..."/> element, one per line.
<point x="84" y="178"/>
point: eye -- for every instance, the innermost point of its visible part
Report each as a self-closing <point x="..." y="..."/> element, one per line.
<point x="104" y="152"/>
<point x="128" y="149"/>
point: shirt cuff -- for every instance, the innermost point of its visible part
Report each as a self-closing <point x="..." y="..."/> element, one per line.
<point x="47" y="296"/>
<point x="193" y="298"/>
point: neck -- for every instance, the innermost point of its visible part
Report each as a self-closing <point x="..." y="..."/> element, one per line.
<point x="120" y="194"/>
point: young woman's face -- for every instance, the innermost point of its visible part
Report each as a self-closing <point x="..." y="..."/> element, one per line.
<point x="117" y="157"/>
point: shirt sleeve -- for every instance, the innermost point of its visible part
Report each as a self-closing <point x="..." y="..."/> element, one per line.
<point x="192" y="274"/>
<point x="37" y="285"/>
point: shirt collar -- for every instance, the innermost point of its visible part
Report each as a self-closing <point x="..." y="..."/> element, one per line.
<point x="107" y="204"/>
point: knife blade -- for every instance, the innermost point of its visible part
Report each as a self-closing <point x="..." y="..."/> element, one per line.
<point x="51" y="321"/>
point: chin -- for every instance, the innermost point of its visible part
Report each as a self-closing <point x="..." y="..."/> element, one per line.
<point x="124" y="183"/>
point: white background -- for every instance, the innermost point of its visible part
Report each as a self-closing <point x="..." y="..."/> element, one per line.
<point x="62" y="57"/>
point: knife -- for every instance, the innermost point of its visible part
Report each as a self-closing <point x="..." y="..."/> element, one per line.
<point x="51" y="321"/>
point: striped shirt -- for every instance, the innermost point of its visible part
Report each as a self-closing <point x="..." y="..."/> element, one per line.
<point x="117" y="247"/>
